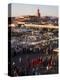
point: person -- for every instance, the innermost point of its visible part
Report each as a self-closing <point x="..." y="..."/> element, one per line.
<point x="45" y="62"/>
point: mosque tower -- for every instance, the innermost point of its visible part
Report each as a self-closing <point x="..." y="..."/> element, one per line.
<point x="38" y="13"/>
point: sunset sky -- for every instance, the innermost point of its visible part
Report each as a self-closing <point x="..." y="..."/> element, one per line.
<point x="18" y="9"/>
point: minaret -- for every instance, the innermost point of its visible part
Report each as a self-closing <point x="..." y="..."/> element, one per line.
<point x="38" y="13"/>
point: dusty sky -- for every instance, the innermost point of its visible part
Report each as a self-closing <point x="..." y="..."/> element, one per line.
<point x="28" y="9"/>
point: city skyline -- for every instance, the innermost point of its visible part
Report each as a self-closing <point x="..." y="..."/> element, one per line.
<point x="28" y="9"/>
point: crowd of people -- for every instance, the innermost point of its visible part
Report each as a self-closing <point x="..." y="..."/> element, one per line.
<point x="33" y="60"/>
<point x="35" y="66"/>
